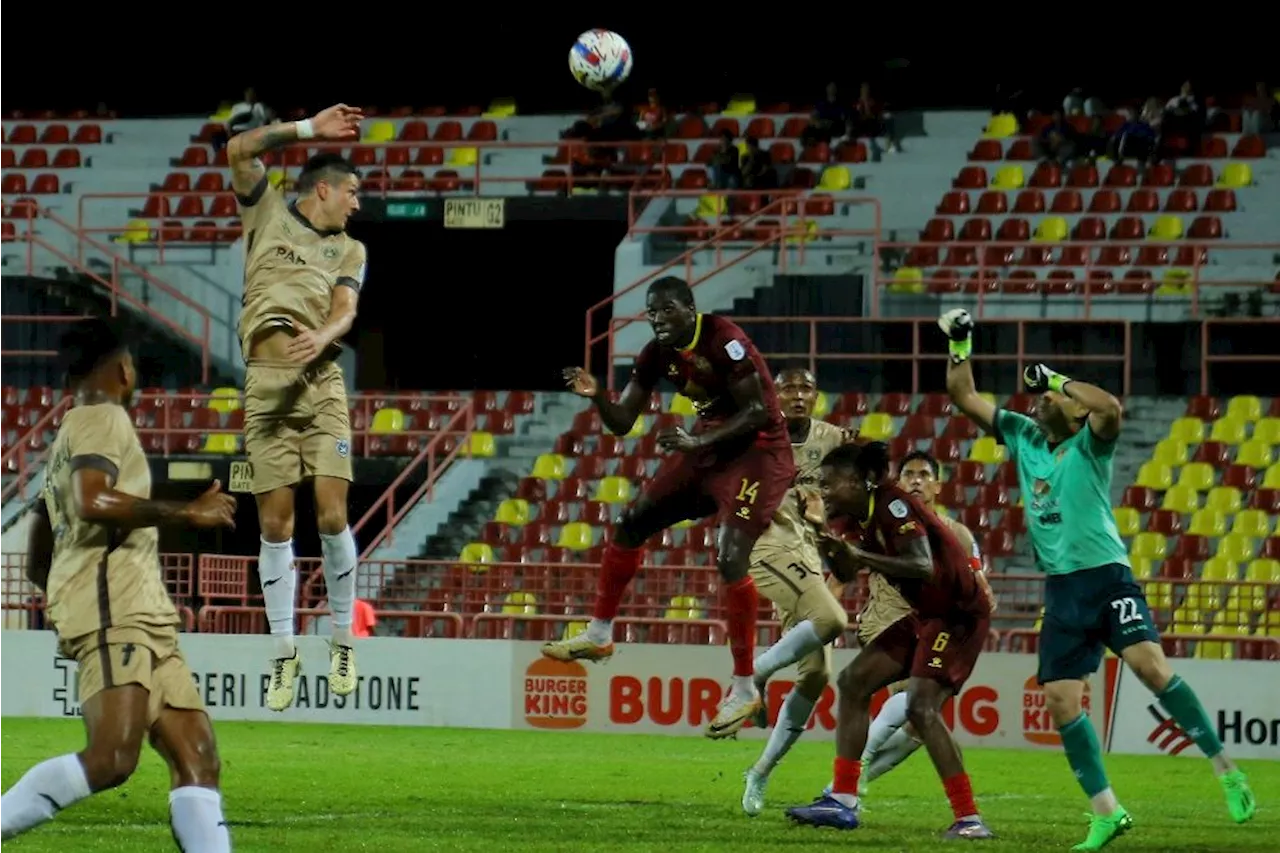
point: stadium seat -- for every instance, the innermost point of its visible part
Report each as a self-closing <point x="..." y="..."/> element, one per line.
<point x="221" y="443"/>
<point x="1208" y="522"/>
<point x="378" y="132"/>
<point x="475" y="554"/>
<point x="1268" y="430"/>
<point x="1245" y="408"/>
<point x="1188" y="430"/>
<point x="576" y="536"/>
<point x="1224" y="499"/>
<point x="877" y="426"/>
<point x="1171" y="452"/>
<point x="514" y="511"/>
<point x="387" y="421"/>
<point x="683" y="406"/>
<point x="225" y="399"/>
<point x="740" y="105"/>
<point x="1154" y="475"/>
<point x="500" y="108"/>
<point x="1127" y="521"/>
<point x="1009" y="178"/>
<point x="1236" y="176"/>
<point x="613" y="490"/>
<point x="1166" y="229"/>
<point x="987" y="451"/>
<point x="1196" y="475"/>
<point x="711" y="207"/>
<point x="1255" y="453"/>
<point x="1253" y="523"/>
<point x="1180" y="499"/>
<point x="1235" y="547"/>
<point x="550" y="466"/>
<point x="479" y="444"/>
<point x="1001" y="126"/>
<point x="1150" y="546"/>
<point x="835" y="179"/>
<point x="1052" y="229"/>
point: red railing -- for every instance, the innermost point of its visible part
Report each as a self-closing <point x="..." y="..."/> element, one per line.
<point x="781" y="204"/>
<point x="1009" y="268"/>
<point x="27" y="455"/>
<point x="918" y="353"/>
<point x="27" y="217"/>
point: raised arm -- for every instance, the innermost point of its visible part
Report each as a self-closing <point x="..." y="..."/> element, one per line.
<point x="337" y="123"/>
<point x="1105" y="412"/>
<point x="96" y="500"/>
<point x="958" y="326"/>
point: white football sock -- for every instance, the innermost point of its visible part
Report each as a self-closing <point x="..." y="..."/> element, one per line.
<point x="892" y="717"/>
<point x="891" y="753"/>
<point x="41" y="793"/>
<point x="744" y="686"/>
<point x="1104" y="802"/>
<point x="196" y="817"/>
<point x="600" y="631"/>
<point x="791" y="722"/>
<point x="797" y="643"/>
<point x="340" y="559"/>
<point x="279" y="588"/>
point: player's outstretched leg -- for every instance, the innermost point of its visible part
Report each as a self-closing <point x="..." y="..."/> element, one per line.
<point x="184" y="739"/>
<point x="115" y="720"/>
<point x="925" y="698"/>
<point x="1148" y="662"/>
<point x="792" y="719"/>
<point x="338" y="547"/>
<point x="742" y="603"/>
<point x="279" y="591"/>
<point x="889" y="740"/>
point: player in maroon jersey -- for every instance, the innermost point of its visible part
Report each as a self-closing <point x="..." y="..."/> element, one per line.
<point x="737" y="464"/>
<point x="880" y="527"/>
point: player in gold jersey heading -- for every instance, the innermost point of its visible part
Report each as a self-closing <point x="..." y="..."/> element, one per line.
<point x="302" y="280"/>
<point x="92" y="546"/>
<point x="787" y="569"/>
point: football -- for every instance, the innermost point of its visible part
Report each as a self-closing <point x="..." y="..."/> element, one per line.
<point x="600" y="60"/>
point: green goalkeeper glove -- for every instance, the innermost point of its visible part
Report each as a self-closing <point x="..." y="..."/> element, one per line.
<point x="958" y="327"/>
<point x="1040" y="378"/>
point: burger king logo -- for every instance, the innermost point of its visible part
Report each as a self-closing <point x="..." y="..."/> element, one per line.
<point x="1037" y="723"/>
<point x="555" y="694"/>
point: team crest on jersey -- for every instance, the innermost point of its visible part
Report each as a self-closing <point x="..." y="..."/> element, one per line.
<point x="814" y="454"/>
<point x="700" y="363"/>
<point x="329" y="252"/>
<point x="898" y="509"/>
<point x="736" y="350"/>
<point x="1040" y="488"/>
<point x="343" y="448"/>
<point x="673" y="369"/>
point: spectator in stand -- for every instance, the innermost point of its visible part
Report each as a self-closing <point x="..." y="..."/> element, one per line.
<point x="1138" y="139"/>
<point x="757" y="167"/>
<point x="871" y="120"/>
<point x="1057" y="142"/>
<point x="653" y="117"/>
<point x="831" y="120"/>
<point x="1184" y="115"/>
<point x="1077" y="103"/>
<point x="249" y="113"/>
<point x="726" y="171"/>
<point x="363" y="619"/>
<point x="1261" y="112"/>
<point x="607" y="122"/>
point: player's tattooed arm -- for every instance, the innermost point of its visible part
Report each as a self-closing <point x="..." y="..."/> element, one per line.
<point x="243" y="151"/>
<point x="40" y="545"/>
<point x="97" y="501"/>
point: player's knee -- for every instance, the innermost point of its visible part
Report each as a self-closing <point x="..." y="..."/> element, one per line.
<point x="830" y="622"/>
<point x="203" y="765"/>
<point x="1148" y="662"/>
<point x="922" y="710"/>
<point x="853" y="688"/>
<point x="811" y="684"/>
<point x="331" y="519"/>
<point x="1064" y="700"/>
<point x="109" y="765"/>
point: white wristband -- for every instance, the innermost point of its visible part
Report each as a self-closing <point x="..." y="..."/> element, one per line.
<point x="303" y="129"/>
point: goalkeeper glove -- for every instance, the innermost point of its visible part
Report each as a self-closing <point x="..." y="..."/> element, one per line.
<point x="958" y="327"/>
<point x="1040" y="378"/>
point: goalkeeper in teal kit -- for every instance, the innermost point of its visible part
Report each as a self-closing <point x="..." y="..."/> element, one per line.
<point x="1064" y="460"/>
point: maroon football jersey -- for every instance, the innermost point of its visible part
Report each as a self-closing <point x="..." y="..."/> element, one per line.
<point x="704" y="371"/>
<point x="896" y="517"/>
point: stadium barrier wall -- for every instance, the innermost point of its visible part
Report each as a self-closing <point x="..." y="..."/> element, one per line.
<point x="646" y="689"/>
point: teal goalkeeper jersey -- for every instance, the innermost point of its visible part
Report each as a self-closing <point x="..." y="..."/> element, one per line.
<point x="1066" y="492"/>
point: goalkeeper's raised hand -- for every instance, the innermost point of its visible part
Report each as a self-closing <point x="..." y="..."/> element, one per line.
<point x="1040" y="378"/>
<point x="957" y="325"/>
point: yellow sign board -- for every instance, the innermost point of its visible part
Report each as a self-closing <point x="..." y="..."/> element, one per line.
<point x="240" y="478"/>
<point x="475" y="213"/>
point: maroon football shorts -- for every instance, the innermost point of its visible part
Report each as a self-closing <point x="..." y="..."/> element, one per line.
<point x="948" y="648"/>
<point x="743" y="491"/>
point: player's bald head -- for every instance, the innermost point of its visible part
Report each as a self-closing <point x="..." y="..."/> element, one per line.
<point x="329" y="168"/>
<point x="673" y="288"/>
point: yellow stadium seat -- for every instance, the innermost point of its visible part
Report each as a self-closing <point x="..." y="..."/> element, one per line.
<point x="1253" y="523"/>
<point x="520" y="604"/>
<point x="387" y="421"/>
<point x="1185" y="618"/>
<point x="1219" y="569"/>
<point x="1245" y="407"/>
<point x="222" y="114"/>
<point x="513" y="511"/>
<point x="1176" y="283"/>
<point x="711" y="207"/>
<point x="1196" y="475"/>
<point x="481" y="445"/>
<point x="804" y="231"/>
<point x="1236" y="176"/>
<point x="1183" y="499"/>
<point x="1255" y="454"/>
<point x="1009" y="178"/>
<point x="1051" y="230"/>
<point x="1271" y="479"/>
<point x="576" y="536"/>
<point x="221" y="442"/>
<point x="1154" y="475"/>
<point x="549" y="466"/>
<point x="989" y="397"/>
<point x="1166" y="229"/>
<point x="1224" y="499"/>
<point x="1208" y="522"/>
<point x="835" y="179"/>
<point x="822" y="405"/>
<point x="225" y="399"/>
<point x="684" y="525"/>
<point x="379" y="131"/>
<point x="1001" y="126"/>
<point x="573" y="629"/>
<point x="137" y="231"/>
<point x="741" y="105"/>
<point x="277" y="178"/>
<point x="987" y="451"/>
<point x="500" y="108"/>
<point x="639" y="428"/>
<point x="1149" y="546"/>
<point x="685" y="607"/>
<point x="1263" y="570"/>
<point x="1236" y="547"/>
<point x="1228" y="431"/>
<point x="1246" y="599"/>
<point x="1171" y="452"/>
<point x="475" y="554"/>
<point x="462" y="156"/>
<point x="613" y="490"/>
<point x="1159" y="594"/>
<point x="1127" y="520"/>
<point x="876" y="426"/>
<point x="682" y="405"/>
<point x="1142" y="567"/>
<point x="907" y="280"/>
<point x="1268" y="430"/>
<point x="1187" y="430"/>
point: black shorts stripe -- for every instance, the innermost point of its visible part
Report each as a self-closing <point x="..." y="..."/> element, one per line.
<point x="782" y="577"/>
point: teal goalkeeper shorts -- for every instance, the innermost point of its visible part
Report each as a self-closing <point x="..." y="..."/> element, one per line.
<point x="1086" y="611"/>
